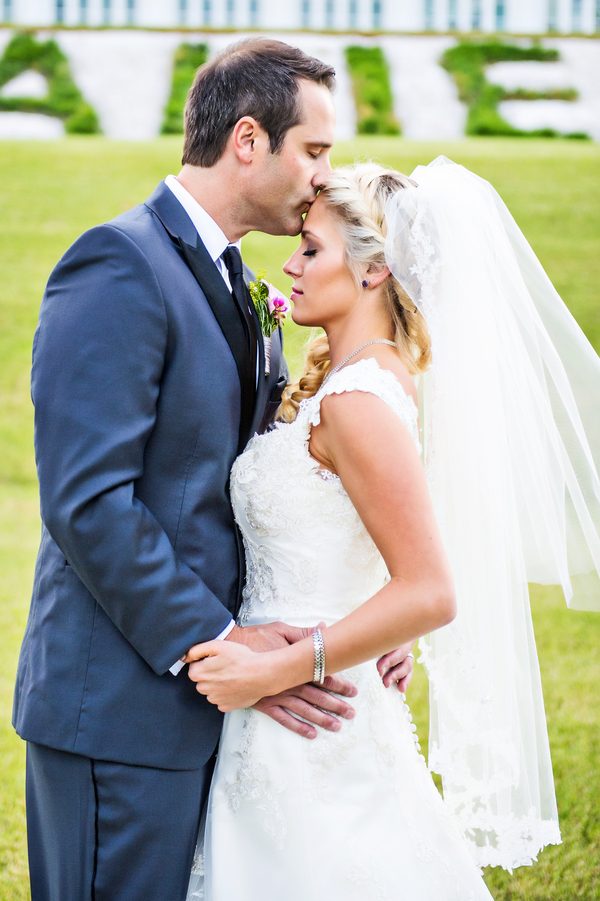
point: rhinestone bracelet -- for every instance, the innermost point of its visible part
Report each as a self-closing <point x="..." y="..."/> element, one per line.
<point x="319" y="644"/>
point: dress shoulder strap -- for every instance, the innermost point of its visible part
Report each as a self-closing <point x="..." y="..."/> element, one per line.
<point x="367" y="376"/>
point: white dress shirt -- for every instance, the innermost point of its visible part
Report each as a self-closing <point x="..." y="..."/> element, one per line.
<point x="216" y="243"/>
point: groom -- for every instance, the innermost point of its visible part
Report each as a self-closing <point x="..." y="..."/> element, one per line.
<point x="148" y="379"/>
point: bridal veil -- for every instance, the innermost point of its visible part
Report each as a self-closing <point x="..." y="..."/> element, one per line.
<point x="511" y="426"/>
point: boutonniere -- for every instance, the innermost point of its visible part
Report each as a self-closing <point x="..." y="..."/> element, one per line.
<point x="271" y="306"/>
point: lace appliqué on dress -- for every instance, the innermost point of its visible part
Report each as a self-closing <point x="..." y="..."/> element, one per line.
<point x="331" y="750"/>
<point x="252" y="784"/>
<point x="363" y="875"/>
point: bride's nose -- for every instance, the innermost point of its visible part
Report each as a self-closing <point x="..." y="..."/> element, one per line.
<point x="293" y="267"/>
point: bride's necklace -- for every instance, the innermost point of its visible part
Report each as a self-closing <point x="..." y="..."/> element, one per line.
<point x="353" y="354"/>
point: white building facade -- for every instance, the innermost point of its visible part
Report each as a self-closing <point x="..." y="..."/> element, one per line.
<point x="507" y="16"/>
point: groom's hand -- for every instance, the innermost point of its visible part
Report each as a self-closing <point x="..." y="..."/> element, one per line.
<point x="312" y="703"/>
<point x="268" y="637"/>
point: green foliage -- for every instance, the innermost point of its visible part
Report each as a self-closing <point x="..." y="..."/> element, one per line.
<point x="577" y="136"/>
<point x="188" y="59"/>
<point x="466" y="63"/>
<point x="64" y="100"/>
<point x="553" y="190"/>
<point x="569" y="94"/>
<point x="372" y="91"/>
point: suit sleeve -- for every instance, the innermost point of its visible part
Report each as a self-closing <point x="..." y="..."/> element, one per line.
<point x="97" y="364"/>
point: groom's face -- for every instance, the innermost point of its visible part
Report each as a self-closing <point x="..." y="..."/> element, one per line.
<point x="286" y="183"/>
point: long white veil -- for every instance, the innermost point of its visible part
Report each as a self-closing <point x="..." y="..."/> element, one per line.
<point x="511" y="417"/>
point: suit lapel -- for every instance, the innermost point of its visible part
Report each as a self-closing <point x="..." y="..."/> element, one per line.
<point x="178" y="224"/>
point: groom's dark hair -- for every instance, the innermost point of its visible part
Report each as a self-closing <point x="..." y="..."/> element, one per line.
<point x="256" y="77"/>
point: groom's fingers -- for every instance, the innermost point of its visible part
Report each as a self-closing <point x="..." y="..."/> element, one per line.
<point x="272" y="707"/>
<point x="310" y="703"/>
<point x="340" y="686"/>
<point x="323" y="700"/>
<point x="292" y="634"/>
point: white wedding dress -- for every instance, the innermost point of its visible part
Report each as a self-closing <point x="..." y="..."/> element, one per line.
<point x="348" y="815"/>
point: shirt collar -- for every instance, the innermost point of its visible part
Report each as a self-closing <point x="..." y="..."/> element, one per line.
<point x="211" y="235"/>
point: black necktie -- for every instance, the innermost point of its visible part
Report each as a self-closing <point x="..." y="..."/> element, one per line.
<point x="233" y="260"/>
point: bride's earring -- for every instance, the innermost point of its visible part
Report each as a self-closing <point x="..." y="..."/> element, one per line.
<point x="365" y="283"/>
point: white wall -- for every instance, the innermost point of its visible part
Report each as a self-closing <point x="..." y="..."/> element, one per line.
<point x="522" y="16"/>
<point x="126" y="75"/>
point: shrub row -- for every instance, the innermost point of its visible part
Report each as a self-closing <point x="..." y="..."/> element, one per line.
<point x="64" y="100"/>
<point x="188" y="57"/>
<point x="372" y="92"/>
<point x="466" y="62"/>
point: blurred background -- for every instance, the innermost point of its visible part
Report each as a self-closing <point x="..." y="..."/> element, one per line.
<point x="91" y="101"/>
<point x="428" y="69"/>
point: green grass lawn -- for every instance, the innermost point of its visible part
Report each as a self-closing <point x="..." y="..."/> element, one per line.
<point x="51" y="192"/>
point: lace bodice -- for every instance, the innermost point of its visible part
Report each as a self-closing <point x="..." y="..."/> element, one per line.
<point x="308" y="554"/>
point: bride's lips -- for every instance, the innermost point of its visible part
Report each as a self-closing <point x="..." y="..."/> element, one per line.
<point x="296" y="292"/>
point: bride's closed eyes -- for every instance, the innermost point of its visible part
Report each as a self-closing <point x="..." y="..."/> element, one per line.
<point x="309" y="253"/>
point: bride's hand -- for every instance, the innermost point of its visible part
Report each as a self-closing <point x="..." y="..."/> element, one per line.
<point x="396" y="668"/>
<point x="229" y="674"/>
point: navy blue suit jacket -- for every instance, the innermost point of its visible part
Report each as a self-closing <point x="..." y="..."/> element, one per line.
<point x="144" y="393"/>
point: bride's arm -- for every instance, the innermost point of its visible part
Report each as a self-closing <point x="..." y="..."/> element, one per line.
<point x="362" y="440"/>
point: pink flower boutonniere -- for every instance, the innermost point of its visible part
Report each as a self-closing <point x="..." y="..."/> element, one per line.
<point x="271" y="306"/>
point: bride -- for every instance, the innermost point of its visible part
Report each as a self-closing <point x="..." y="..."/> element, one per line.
<point x="344" y="527"/>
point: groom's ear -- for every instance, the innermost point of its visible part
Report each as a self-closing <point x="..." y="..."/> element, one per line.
<point x="247" y="138"/>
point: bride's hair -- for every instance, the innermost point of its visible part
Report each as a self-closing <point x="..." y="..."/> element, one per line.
<point x="357" y="196"/>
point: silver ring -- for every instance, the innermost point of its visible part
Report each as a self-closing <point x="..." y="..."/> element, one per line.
<point x="410" y="655"/>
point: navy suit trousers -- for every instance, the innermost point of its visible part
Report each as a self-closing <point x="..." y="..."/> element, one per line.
<point x="102" y="831"/>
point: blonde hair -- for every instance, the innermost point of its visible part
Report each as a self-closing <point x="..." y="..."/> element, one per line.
<point x="357" y="196"/>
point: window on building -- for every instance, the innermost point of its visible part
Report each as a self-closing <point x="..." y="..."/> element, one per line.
<point x="452" y="14"/>
<point x="500" y="15"/>
<point x="106" y="12"/>
<point x="254" y="13"/>
<point x="353" y="14"/>
<point x="130" y="10"/>
<point x="230" y="12"/>
<point x="183" y="8"/>
<point x="59" y="11"/>
<point x="476" y="15"/>
<point x="206" y="12"/>
<point x="83" y="11"/>
<point x="429" y="15"/>
<point x="305" y="13"/>
<point x="6" y="10"/>
<point x="377" y="14"/>
<point x="597" y="15"/>
<point x="329" y="14"/>
<point x="552" y="15"/>
<point x="576" y="24"/>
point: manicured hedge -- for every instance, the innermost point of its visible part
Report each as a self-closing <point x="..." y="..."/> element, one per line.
<point x="188" y="58"/>
<point x="372" y="92"/>
<point x="467" y="62"/>
<point x="64" y="101"/>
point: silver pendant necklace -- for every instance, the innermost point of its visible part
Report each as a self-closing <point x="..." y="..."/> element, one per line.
<point x="353" y="354"/>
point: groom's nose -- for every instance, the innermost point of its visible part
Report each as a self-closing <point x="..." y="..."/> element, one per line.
<point x="323" y="171"/>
